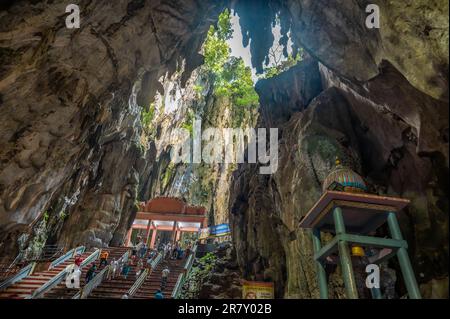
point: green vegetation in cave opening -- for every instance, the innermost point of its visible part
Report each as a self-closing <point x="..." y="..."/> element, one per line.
<point x="229" y="76"/>
<point x="283" y="66"/>
<point x="148" y="129"/>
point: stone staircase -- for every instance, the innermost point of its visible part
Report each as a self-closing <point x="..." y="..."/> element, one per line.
<point x="116" y="287"/>
<point x="25" y="287"/>
<point x="62" y="292"/>
<point x="153" y="282"/>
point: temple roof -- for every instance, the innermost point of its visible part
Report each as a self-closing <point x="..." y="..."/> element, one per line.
<point x="170" y="205"/>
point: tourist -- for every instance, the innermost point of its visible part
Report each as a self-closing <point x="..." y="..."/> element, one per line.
<point x="133" y="260"/>
<point x="143" y="251"/>
<point x="126" y="296"/>
<point x="114" y="268"/>
<point x="78" y="260"/>
<point x="175" y="251"/>
<point x="158" y="243"/>
<point x="91" y="273"/>
<point x="164" y="275"/>
<point x="126" y="269"/>
<point x="188" y="250"/>
<point x="139" y="268"/>
<point x="104" y="258"/>
<point x="159" y="294"/>
<point x="180" y="253"/>
<point x="152" y="254"/>
<point x="149" y="262"/>
<point x="73" y="274"/>
<point x="120" y="264"/>
<point x="139" y="246"/>
<point x="167" y="250"/>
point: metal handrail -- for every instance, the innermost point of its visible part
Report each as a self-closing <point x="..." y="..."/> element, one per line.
<point x="16" y="260"/>
<point x="56" y="280"/>
<point x="71" y="253"/>
<point x="182" y="277"/>
<point x="97" y="280"/>
<point x="156" y="261"/>
<point x="24" y="272"/>
<point x="178" y="285"/>
<point x="27" y="270"/>
<point x="138" y="283"/>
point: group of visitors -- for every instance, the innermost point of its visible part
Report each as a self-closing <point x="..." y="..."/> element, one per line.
<point x="174" y="251"/>
<point x="141" y="257"/>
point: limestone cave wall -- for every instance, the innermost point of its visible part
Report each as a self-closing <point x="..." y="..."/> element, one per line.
<point x="365" y="96"/>
<point x="72" y="167"/>
<point x="70" y="103"/>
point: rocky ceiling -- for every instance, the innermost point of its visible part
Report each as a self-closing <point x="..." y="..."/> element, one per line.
<point x="70" y="126"/>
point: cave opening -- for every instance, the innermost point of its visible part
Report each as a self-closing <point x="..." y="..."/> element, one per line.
<point x="90" y="116"/>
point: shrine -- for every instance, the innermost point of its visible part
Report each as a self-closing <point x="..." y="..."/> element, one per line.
<point x="352" y="215"/>
<point x="168" y="214"/>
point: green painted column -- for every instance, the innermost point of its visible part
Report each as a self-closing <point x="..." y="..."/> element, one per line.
<point x="344" y="256"/>
<point x="321" y="274"/>
<point x="403" y="258"/>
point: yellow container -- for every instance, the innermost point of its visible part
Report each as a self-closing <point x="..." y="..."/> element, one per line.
<point x="358" y="251"/>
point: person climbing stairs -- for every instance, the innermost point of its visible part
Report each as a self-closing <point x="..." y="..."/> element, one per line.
<point x="62" y="292"/>
<point x="116" y="287"/>
<point x="153" y="281"/>
<point x="25" y="287"/>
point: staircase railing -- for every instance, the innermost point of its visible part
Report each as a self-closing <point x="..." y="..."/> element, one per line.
<point x="182" y="277"/>
<point x="98" y="279"/>
<point x="156" y="261"/>
<point x="56" y="280"/>
<point x="27" y="270"/>
<point x="138" y="283"/>
<point x="21" y="274"/>
<point x="71" y="253"/>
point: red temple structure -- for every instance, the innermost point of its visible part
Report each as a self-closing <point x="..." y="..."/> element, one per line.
<point x="168" y="214"/>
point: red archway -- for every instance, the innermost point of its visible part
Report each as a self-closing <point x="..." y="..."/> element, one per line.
<point x="168" y="214"/>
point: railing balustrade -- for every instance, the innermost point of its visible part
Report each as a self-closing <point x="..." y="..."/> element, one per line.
<point x="138" y="283"/>
<point x="27" y="270"/>
<point x="24" y="272"/>
<point x="56" y="280"/>
<point x="98" y="279"/>
<point x="182" y="277"/>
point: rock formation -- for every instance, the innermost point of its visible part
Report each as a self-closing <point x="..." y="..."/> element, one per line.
<point x="72" y="165"/>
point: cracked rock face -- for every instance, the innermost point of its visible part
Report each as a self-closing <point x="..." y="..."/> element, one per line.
<point x="70" y="124"/>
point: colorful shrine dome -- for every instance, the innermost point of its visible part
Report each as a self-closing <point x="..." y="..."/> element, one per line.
<point x="345" y="179"/>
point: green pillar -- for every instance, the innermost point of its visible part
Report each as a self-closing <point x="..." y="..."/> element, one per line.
<point x="344" y="256"/>
<point x="321" y="274"/>
<point x="403" y="258"/>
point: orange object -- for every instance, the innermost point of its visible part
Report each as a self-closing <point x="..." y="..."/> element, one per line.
<point x="104" y="254"/>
